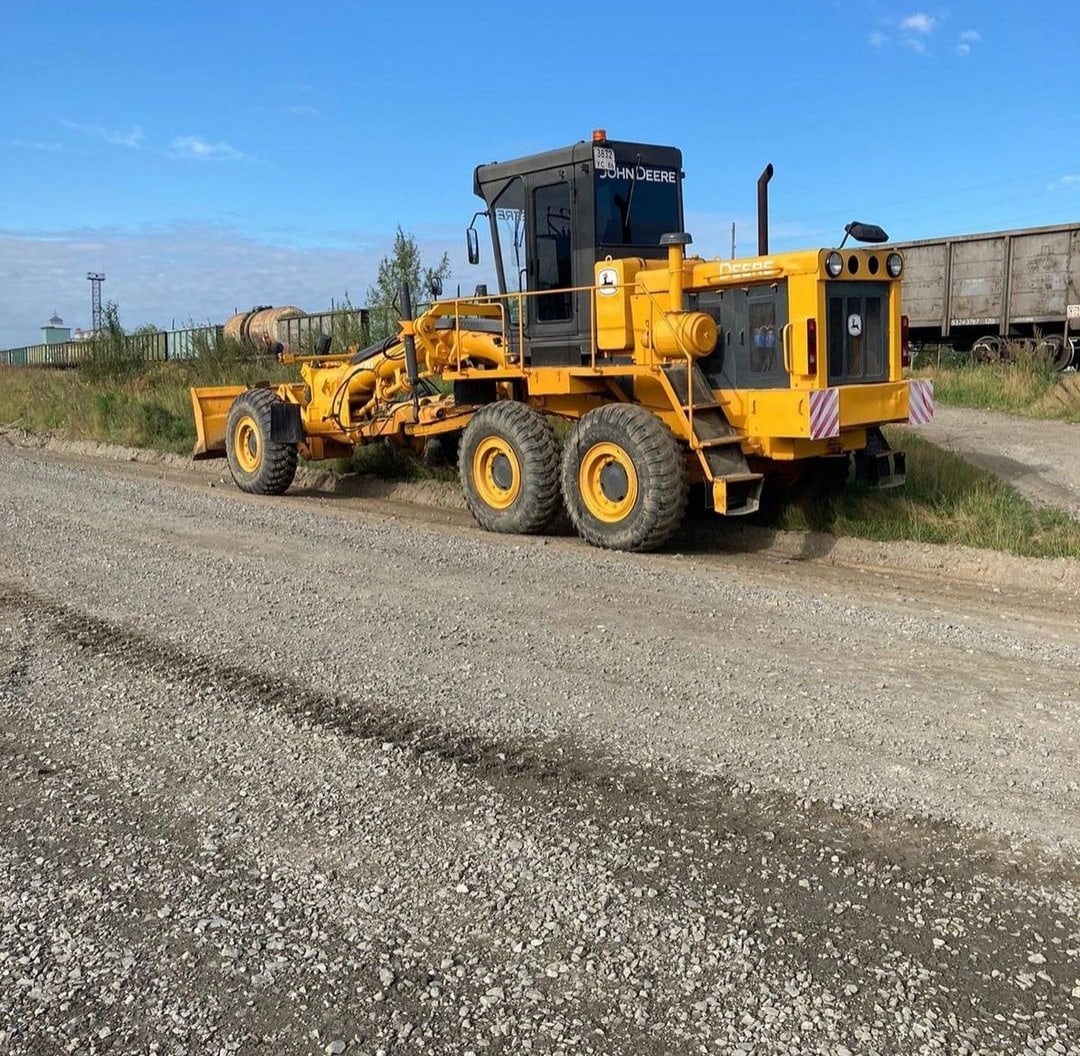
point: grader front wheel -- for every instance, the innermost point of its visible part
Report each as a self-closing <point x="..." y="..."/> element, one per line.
<point x="259" y="465"/>
<point x="624" y="479"/>
<point x="508" y="462"/>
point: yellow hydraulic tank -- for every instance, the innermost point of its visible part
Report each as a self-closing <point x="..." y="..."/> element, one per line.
<point x="682" y="333"/>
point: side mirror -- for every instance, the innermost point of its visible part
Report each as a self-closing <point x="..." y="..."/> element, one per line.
<point x="434" y="285"/>
<point x="472" y="245"/>
<point x="865" y="232"/>
<point x="322" y="345"/>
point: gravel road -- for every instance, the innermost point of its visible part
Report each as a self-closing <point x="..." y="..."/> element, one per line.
<point x="316" y="775"/>
<point x="1041" y="459"/>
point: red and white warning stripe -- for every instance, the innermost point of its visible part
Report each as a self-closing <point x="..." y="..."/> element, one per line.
<point x="920" y="401"/>
<point x="824" y="413"/>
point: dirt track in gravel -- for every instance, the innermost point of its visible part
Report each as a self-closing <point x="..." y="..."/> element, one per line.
<point x="1041" y="459"/>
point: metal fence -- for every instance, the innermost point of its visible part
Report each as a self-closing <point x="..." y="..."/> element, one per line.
<point x="187" y="344"/>
<point x="148" y="347"/>
<point x="298" y="335"/>
<point x="62" y="354"/>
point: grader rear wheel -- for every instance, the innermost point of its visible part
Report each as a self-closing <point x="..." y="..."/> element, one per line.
<point x="259" y="465"/>
<point x="508" y="462"/>
<point x="624" y="479"/>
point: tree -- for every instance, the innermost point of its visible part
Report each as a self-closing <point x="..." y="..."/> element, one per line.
<point x="112" y="357"/>
<point x="403" y="265"/>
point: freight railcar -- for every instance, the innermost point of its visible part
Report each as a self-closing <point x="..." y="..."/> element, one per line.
<point x="984" y="291"/>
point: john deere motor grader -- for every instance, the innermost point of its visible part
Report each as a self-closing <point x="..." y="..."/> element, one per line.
<point x="674" y="370"/>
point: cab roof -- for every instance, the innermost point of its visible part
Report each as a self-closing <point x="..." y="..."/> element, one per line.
<point x="578" y="153"/>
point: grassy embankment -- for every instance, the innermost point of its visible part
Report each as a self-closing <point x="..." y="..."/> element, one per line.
<point x="945" y="500"/>
<point x="150" y="408"/>
<point x="1022" y="384"/>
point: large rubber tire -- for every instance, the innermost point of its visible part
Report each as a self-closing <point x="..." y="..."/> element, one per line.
<point x="258" y="464"/>
<point x="624" y="478"/>
<point x="508" y="462"/>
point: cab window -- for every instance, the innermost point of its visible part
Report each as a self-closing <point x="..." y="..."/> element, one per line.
<point x="552" y="224"/>
<point x="509" y="222"/>
<point x="763" y="353"/>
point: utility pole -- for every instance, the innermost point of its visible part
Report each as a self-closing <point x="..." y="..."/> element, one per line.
<point x="96" y="279"/>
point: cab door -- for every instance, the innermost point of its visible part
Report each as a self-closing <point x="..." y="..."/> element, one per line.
<point x="552" y="323"/>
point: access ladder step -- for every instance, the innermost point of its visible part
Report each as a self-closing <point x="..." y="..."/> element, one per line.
<point x="710" y="426"/>
<point x="737" y="494"/>
<point x="726" y="461"/>
<point x="690" y="386"/>
<point x="717" y="441"/>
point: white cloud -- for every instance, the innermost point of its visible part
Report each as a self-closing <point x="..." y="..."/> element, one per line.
<point x="20" y="144"/>
<point x="914" y="44"/>
<point x="132" y="139"/>
<point x="190" y="272"/>
<point x="1066" y="183"/>
<point x="199" y="148"/>
<point x="967" y="39"/>
<point x="920" y="22"/>
<point x="877" y="39"/>
<point x="303" y="110"/>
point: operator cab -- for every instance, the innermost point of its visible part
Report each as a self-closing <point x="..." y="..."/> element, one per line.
<point x="554" y="215"/>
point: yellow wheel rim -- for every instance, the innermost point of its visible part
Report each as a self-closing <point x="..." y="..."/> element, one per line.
<point x="496" y="472"/>
<point x="246" y="443"/>
<point x="608" y="482"/>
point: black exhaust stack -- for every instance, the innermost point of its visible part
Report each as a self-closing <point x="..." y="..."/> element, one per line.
<point x="763" y="211"/>
<point x="412" y="371"/>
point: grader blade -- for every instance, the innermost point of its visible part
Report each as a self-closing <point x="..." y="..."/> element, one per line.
<point x="211" y="408"/>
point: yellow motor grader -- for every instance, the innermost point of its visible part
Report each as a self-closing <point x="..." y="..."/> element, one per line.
<point x="671" y="370"/>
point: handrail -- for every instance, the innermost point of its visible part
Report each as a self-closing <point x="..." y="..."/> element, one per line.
<point x="688" y="410"/>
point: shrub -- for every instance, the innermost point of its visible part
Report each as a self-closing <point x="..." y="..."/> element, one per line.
<point x="113" y="357"/>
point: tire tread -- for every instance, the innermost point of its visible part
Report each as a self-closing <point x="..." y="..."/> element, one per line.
<point x="278" y="466"/>
<point x="661" y="474"/>
<point x="531" y="435"/>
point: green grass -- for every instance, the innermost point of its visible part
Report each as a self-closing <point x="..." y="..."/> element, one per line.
<point x="945" y="500"/>
<point x="148" y="408"/>
<point x="1023" y="386"/>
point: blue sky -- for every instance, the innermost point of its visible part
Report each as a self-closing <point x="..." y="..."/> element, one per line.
<point x="209" y="156"/>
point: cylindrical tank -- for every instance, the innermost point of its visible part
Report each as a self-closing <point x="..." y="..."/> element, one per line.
<point x="258" y="329"/>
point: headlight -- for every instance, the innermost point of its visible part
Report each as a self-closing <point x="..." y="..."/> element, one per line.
<point x="834" y="264"/>
<point x="894" y="264"/>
